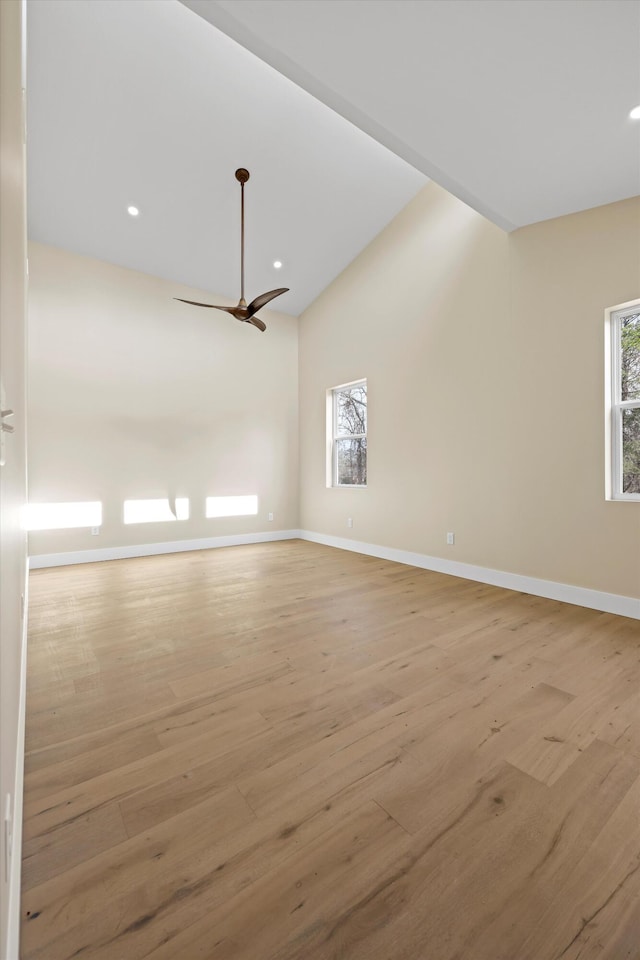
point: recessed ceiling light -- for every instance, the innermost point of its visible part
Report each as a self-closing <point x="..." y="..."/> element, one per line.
<point x="133" y="211"/>
<point x="277" y="264"/>
<point x="635" y="113"/>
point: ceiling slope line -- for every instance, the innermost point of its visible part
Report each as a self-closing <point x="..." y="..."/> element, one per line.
<point x="217" y="17"/>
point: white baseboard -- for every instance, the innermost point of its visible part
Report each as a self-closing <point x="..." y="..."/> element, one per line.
<point x="152" y="549"/>
<point x="13" y="918"/>
<point x="567" y="593"/>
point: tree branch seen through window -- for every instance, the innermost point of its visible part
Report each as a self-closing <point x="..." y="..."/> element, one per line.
<point x="349" y="446"/>
<point x="630" y="391"/>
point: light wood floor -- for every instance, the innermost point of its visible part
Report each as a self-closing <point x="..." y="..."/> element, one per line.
<point x="285" y="751"/>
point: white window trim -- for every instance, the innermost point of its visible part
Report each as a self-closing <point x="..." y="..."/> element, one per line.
<point x="614" y="406"/>
<point x="332" y="436"/>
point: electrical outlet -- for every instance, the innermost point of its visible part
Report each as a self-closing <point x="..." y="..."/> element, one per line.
<point x="350" y="521"/>
<point x="269" y="516"/>
<point x="451" y="539"/>
<point x="95" y="531"/>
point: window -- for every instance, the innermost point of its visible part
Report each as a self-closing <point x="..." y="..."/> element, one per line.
<point x="62" y="516"/>
<point x="347" y="409"/>
<point x="156" y="511"/>
<point x="623" y="372"/>
<point x="232" y="506"/>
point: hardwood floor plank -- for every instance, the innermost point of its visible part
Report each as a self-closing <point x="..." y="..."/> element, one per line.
<point x="463" y="751"/>
<point x="51" y="853"/>
<point x="54" y="812"/>
<point x="232" y="678"/>
<point x="393" y="917"/>
<point x="502" y="932"/>
<point x="512" y="827"/>
<point x="314" y="882"/>
<point x="117" y="752"/>
<point x="89" y="711"/>
<point x="560" y="739"/>
<point x="599" y="911"/>
<point x="621" y="726"/>
<point x="137" y="886"/>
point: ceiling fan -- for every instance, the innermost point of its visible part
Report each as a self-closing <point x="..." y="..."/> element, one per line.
<point x="243" y="311"/>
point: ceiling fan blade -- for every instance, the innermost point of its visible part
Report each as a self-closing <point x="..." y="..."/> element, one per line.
<point x="264" y="298"/>
<point x="213" y="306"/>
<point x="257" y="322"/>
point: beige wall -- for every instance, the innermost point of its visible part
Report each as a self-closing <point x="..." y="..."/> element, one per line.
<point x="484" y="358"/>
<point x="133" y="396"/>
<point x="13" y="552"/>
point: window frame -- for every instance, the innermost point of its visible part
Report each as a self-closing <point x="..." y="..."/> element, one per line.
<point x="614" y="405"/>
<point x="333" y="436"/>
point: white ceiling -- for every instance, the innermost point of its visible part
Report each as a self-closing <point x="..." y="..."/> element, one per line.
<point x="519" y="107"/>
<point x="142" y="102"/>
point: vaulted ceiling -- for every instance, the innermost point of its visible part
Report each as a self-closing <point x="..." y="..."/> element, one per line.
<point x="341" y="111"/>
<point x="519" y="107"/>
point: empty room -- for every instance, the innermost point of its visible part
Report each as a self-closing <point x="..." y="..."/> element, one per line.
<point x="320" y="479"/>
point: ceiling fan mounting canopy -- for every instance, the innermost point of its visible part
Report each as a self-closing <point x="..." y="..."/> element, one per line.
<point x="243" y="311"/>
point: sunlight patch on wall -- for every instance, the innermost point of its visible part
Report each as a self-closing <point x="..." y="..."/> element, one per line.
<point x="155" y="511"/>
<point x="232" y="506"/>
<point x="62" y="516"/>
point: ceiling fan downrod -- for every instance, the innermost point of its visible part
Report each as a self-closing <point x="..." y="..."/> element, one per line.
<point x="242" y="175"/>
<point x="243" y="311"/>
